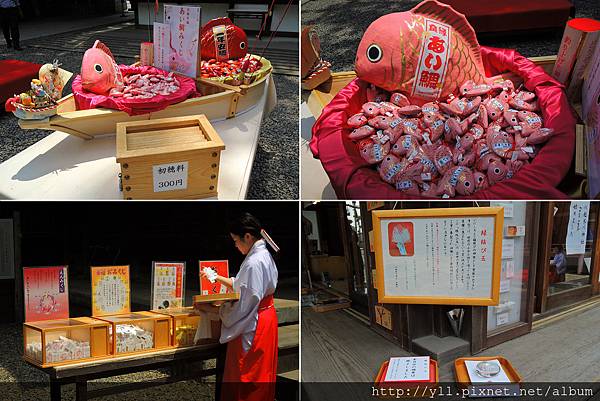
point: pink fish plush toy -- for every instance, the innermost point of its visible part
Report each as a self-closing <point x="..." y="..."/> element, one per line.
<point x="423" y="53"/>
<point x="100" y="73"/>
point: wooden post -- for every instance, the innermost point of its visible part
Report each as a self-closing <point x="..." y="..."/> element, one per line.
<point x="220" y="366"/>
<point x="81" y="390"/>
<point x="54" y="390"/>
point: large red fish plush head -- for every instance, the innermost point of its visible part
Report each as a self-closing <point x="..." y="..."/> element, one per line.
<point x="426" y="52"/>
<point x="99" y="70"/>
<point x="221" y="40"/>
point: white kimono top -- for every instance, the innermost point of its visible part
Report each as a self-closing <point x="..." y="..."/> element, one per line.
<point x="256" y="279"/>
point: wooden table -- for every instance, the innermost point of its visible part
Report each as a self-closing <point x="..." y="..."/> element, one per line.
<point x="180" y="362"/>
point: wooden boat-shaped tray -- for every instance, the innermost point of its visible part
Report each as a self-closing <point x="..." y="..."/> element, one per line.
<point x="220" y="101"/>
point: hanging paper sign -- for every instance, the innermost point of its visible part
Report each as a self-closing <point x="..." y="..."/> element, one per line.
<point x="161" y="49"/>
<point x="438" y="256"/>
<point x="184" y="23"/>
<point x="168" y="285"/>
<point x="45" y="293"/>
<point x="110" y="290"/>
<point x="577" y="229"/>
<point x="209" y="286"/>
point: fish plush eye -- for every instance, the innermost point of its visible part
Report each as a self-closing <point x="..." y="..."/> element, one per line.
<point x="497" y="170"/>
<point x="374" y="53"/>
<point x="467" y="184"/>
<point x="98" y="68"/>
<point x="242" y="45"/>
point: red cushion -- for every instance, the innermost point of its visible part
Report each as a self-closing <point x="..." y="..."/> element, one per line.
<point x="513" y="15"/>
<point x="15" y="77"/>
<point x="353" y="178"/>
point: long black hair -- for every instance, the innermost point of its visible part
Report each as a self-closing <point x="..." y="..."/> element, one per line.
<point x="248" y="224"/>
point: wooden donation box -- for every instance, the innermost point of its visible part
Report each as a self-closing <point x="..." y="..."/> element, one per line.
<point x="184" y="324"/>
<point x="59" y="342"/>
<point x="138" y="332"/>
<point x="169" y="158"/>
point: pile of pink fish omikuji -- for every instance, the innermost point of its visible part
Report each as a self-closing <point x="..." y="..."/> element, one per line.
<point x="146" y="86"/>
<point x="468" y="143"/>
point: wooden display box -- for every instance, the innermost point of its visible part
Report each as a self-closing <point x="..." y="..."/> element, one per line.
<point x="462" y="376"/>
<point x="185" y="324"/>
<point x="169" y="158"/>
<point x="38" y="335"/>
<point x="216" y="298"/>
<point x="411" y="388"/>
<point x="158" y="325"/>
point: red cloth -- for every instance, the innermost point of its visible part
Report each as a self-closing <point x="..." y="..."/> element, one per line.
<point x="353" y="178"/>
<point x="85" y="100"/>
<point x="513" y="15"/>
<point x="250" y="376"/>
<point x="15" y="77"/>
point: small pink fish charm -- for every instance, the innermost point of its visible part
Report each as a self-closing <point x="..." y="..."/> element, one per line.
<point x="390" y="168"/>
<point x="357" y="120"/>
<point x="442" y="158"/>
<point x="410" y="126"/>
<point x="362" y="132"/>
<point x="461" y="106"/>
<point x="469" y="88"/>
<point x="463" y="158"/>
<point x="454" y="128"/>
<point x="530" y="122"/>
<point x="399" y="99"/>
<point x="523" y="105"/>
<point x="457" y="180"/>
<point x="371" y="109"/>
<point x="405" y="145"/>
<point x="388" y="107"/>
<point x="495" y="108"/>
<point x="483" y="116"/>
<point x="407" y="186"/>
<point x="481" y="181"/>
<point x="484" y="156"/>
<point x="380" y="122"/>
<point x="435" y="122"/>
<point x="410" y="110"/>
<point x="430" y="108"/>
<point x="496" y="172"/>
<point x="477" y="131"/>
<point x="501" y="143"/>
<point x="373" y="152"/>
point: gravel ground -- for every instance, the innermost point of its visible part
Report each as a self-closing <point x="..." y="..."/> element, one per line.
<point x="275" y="170"/>
<point x="341" y="24"/>
<point x="20" y="381"/>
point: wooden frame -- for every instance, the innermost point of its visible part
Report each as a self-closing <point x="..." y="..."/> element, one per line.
<point x="503" y="334"/>
<point x="495" y="212"/>
<point x="544" y="303"/>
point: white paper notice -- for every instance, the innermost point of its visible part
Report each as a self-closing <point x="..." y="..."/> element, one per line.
<point x="501" y="318"/>
<point x="508" y="208"/>
<point x="434" y="257"/>
<point x="577" y="229"/>
<point x="510" y="268"/>
<point x="475" y="378"/>
<point x="508" y="248"/>
<point x="162" y="38"/>
<point x="408" y="369"/>
<point x="170" y="177"/>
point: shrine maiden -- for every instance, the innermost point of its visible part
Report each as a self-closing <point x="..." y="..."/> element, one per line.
<point x="249" y="326"/>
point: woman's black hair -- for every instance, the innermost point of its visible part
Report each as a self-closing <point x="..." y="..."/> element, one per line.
<point x="246" y="223"/>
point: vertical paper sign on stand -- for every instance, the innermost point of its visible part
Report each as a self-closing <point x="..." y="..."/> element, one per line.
<point x="184" y="43"/>
<point x="110" y="290"/>
<point x="162" y="38"/>
<point x="578" y="227"/>
<point x="45" y="293"/>
<point x="221" y="267"/>
<point x="168" y="285"/>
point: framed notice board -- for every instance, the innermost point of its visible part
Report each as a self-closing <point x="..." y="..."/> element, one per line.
<point x="446" y="256"/>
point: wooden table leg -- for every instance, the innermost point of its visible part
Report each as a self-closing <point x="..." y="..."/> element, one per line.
<point x="81" y="391"/>
<point x="220" y="366"/>
<point x="54" y="390"/>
